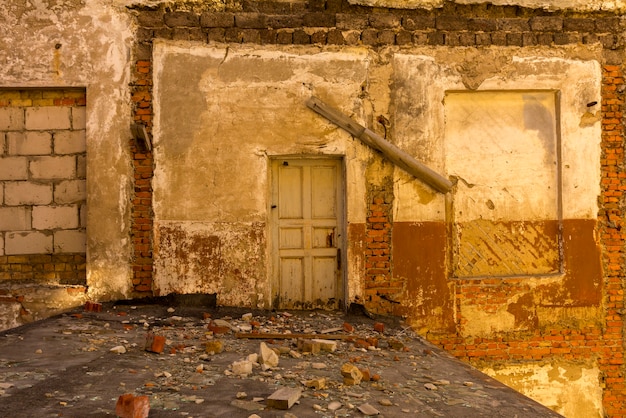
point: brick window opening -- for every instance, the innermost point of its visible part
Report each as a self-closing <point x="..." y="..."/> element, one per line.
<point x="43" y="185"/>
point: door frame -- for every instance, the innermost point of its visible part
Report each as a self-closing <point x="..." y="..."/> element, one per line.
<point x="342" y="228"/>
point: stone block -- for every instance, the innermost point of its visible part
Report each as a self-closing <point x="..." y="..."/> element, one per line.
<point x="70" y="241"/>
<point x="33" y="242"/>
<point x="284" y="398"/>
<point x="48" y="117"/>
<point x="27" y="193"/>
<point x="15" y="218"/>
<point x="323" y="20"/>
<point x="546" y="23"/>
<point x="53" y="217"/>
<point x="250" y="21"/>
<point x="70" y="191"/>
<point x="418" y="23"/>
<point x="350" y="21"/>
<point x="453" y="23"/>
<point x="13" y="168"/>
<point x="384" y="20"/>
<point x="351" y="374"/>
<point x="326" y="345"/>
<point x="11" y="119"/>
<point x="175" y="19"/>
<point x="70" y="142"/>
<point x="52" y="167"/>
<point x="308" y="346"/>
<point x="130" y="406"/>
<point x="155" y="343"/>
<point x="513" y="24"/>
<point x="217" y="20"/>
<point x="79" y="118"/>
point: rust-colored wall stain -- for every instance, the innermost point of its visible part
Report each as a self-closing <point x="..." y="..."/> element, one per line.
<point x="419" y="256"/>
<point x="356" y="247"/>
<point x="197" y="255"/>
<point x="582" y="282"/>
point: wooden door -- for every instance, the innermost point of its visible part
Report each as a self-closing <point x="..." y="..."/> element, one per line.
<point x="307" y="233"/>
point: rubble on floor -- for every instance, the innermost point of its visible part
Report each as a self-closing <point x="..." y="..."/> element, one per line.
<point x="180" y="361"/>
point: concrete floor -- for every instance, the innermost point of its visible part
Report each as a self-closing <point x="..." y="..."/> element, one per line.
<point x="64" y="367"/>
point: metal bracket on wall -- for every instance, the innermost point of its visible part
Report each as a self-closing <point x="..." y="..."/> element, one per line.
<point x="392" y="152"/>
<point x="141" y="135"/>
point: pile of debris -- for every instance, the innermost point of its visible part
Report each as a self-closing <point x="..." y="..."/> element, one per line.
<point x="135" y="360"/>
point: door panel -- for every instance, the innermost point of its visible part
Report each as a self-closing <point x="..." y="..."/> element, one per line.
<point x="307" y="221"/>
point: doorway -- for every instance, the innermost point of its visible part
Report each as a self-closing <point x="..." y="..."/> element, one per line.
<point x="307" y="229"/>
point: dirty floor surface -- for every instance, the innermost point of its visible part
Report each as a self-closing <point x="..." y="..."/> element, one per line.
<point x="79" y="363"/>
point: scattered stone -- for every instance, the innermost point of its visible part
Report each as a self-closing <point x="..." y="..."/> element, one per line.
<point x="385" y="402"/>
<point x="334" y="405"/>
<point x="241" y="368"/>
<point x="366" y="374"/>
<point x="130" y="406"/>
<point x="330" y="330"/>
<point x="170" y="310"/>
<point x="379" y="327"/>
<point x="468" y="384"/>
<point x="284" y="398"/>
<point x="326" y="345"/>
<point x="318" y="366"/>
<point x="39" y="351"/>
<point x="318" y="407"/>
<point x="295" y="354"/>
<point x="430" y="386"/>
<point x="155" y="343"/>
<point x="309" y="346"/>
<point x="246" y="316"/>
<point x="348" y="327"/>
<point x="214" y="347"/>
<point x="395" y="344"/>
<point x="351" y="374"/>
<point x="247" y="405"/>
<point x="268" y="357"/>
<point x="442" y="382"/>
<point x="93" y="306"/>
<point x="254" y="416"/>
<point x="317" y="384"/>
<point x="367" y="409"/>
<point x="120" y="349"/>
<point x="241" y="395"/>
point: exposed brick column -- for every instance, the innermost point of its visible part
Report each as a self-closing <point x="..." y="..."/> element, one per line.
<point x="613" y="238"/>
<point x="142" y="216"/>
<point x="378" y="252"/>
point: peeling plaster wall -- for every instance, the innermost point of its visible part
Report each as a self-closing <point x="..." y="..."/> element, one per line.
<point x="572" y="390"/>
<point x="84" y="44"/>
<point x="220" y="114"/>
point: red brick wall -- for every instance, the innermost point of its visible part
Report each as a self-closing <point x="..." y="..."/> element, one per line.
<point x="141" y="215"/>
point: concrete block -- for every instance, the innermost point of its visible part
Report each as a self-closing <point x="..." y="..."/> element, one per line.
<point x="83" y="215"/>
<point x="81" y="166"/>
<point x="70" y="191"/>
<point x="48" y="117"/>
<point x="13" y="168"/>
<point x="53" y="167"/>
<point x="33" y="242"/>
<point x="29" y="143"/>
<point x="11" y="119"/>
<point x="79" y="117"/>
<point x="53" y="217"/>
<point x="70" y="142"/>
<point x="27" y="193"/>
<point x="15" y="218"/>
<point x="70" y="241"/>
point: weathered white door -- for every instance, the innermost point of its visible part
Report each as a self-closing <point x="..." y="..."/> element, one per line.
<point x="307" y="233"/>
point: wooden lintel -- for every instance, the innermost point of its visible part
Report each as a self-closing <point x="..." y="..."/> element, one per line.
<point x="275" y="336"/>
<point x="389" y="150"/>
